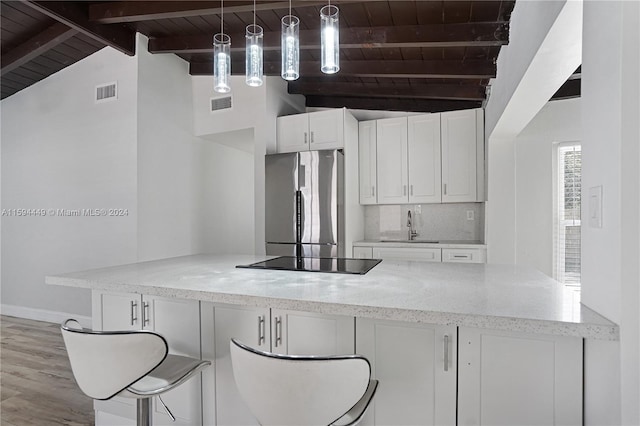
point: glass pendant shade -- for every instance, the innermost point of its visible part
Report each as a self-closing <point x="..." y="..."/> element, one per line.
<point x="221" y="63"/>
<point x="290" y="48"/>
<point x="329" y="40"/>
<point x="254" y="63"/>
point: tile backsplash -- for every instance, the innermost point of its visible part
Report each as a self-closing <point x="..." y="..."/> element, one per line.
<point x="432" y="221"/>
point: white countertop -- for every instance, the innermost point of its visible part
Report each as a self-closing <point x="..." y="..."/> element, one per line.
<point x="502" y="297"/>
<point x="421" y="244"/>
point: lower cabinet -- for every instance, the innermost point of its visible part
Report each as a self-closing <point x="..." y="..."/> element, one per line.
<point x="405" y="253"/>
<point x="509" y="378"/>
<point x="179" y="322"/>
<point x="280" y="331"/>
<point x="416" y="366"/>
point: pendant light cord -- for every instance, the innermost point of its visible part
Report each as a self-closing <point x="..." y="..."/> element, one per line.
<point x="254" y="14"/>
<point x="222" y="17"/>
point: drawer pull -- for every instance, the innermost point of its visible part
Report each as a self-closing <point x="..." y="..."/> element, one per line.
<point x="461" y="256"/>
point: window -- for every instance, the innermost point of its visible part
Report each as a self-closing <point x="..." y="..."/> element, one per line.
<point x="568" y="173"/>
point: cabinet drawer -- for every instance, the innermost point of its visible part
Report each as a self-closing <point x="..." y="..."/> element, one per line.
<point x="464" y="255"/>
<point x="403" y="253"/>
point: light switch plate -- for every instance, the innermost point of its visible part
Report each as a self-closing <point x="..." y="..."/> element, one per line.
<point x="595" y="206"/>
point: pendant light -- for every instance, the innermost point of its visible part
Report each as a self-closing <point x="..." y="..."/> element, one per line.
<point x="290" y="46"/>
<point x="329" y="39"/>
<point x="222" y="58"/>
<point x="254" y="55"/>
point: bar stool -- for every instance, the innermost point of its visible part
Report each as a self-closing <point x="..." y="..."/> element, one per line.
<point x="133" y="364"/>
<point x="285" y="390"/>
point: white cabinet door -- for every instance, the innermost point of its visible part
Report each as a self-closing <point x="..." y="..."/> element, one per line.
<point x="292" y="133"/>
<point x="459" y="156"/>
<point x="179" y="322"/>
<point x="117" y="311"/>
<point x="405" y="253"/>
<point x="367" y="161"/>
<point x="424" y="158"/>
<point x="305" y="333"/>
<point x="392" y="161"/>
<point x="252" y="327"/>
<point x="416" y="367"/>
<point x="459" y="255"/>
<point x="326" y="129"/>
<point x="509" y="378"/>
<point x="363" y="252"/>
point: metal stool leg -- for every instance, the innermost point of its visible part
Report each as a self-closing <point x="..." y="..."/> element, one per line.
<point x="143" y="412"/>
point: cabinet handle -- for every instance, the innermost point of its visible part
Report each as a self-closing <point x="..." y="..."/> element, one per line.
<point x="373" y="191"/>
<point x="145" y="314"/>
<point x="461" y="256"/>
<point x="311" y="137"/>
<point x="404" y="189"/>
<point x="305" y="137"/>
<point x="278" y="331"/>
<point x="446" y="352"/>
<point x="134" y="312"/>
<point x="411" y="189"/>
<point x="445" y="189"/>
<point x="261" y="334"/>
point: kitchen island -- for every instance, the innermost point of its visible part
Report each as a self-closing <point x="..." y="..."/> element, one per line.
<point x="450" y="343"/>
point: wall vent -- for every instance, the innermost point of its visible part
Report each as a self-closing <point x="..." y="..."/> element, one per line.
<point x="220" y="103"/>
<point x="106" y="92"/>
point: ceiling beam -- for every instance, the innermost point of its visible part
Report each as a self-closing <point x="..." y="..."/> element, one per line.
<point x="75" y="15"/>
<point x="37" y="45"/>
<point x="136" y="11"/>
<point x="390" y="104"/>
<point x="420" y="91"/>
<point x="388" y="69"/>
<point x="447" y="35"/>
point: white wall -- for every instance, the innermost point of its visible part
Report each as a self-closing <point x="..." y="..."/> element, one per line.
<point x="168" y="153"/>
<point x="611" y="158"/>
<point x="60" y="150"/>
<point x="228" y="193"/>
<point x="558" y="121"/>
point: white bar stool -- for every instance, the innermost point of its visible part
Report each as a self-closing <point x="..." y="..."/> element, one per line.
<point x="133" y="364"/>
<point x="283" y="390"/>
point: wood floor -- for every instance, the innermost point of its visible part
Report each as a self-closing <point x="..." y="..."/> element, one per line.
<point x="37" y="386"/>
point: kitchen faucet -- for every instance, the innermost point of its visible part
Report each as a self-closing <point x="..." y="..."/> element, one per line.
<point x="412" y="232"/>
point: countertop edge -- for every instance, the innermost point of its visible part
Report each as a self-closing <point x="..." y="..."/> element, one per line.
<point x="461" y="245"/>
<point x="524" y="325"/>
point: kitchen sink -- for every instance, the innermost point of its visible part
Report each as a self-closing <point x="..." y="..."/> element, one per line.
<point x="409" y="241"/>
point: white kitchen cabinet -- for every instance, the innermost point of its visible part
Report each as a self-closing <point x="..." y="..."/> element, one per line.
<point x="407" y="253"/>
<point x="416" y="366"/>
<point x="392" y="161"/>
<point x="511" y="378"/>
<point x="179" y="322"/>
<point x="462" y="147"/>
<point x="423" y="137"/>
<point x="362" y="252"/>
<point x="367" y="165"/>
<point x="311" y="131"/>
<point x="464" y="255"/>
<point x="280" y="331"/>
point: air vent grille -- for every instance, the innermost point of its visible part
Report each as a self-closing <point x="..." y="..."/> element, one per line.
<point x="106" y="92"/>
<point x="220" y="103"/>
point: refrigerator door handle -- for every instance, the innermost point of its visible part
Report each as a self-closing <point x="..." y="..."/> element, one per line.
<point x="299" y="207"/>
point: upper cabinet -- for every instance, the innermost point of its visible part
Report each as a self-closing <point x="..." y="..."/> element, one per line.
<point x="392" y="161"/>
<point x="427" y="158"/>
<point x="462" y="150"/>
<point x="367" y="165"/>
<point x="311" y="131"/>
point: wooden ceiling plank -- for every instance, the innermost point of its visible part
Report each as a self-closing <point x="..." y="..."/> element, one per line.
<point x="408" y="36"/>
<point x="422" y="91"/>
<point x="36" y="46"/>
<point x="74" y="14"/>
<point x="136" y="11"/>
<point x="388" y="69"/>
<point x="414" y="105"/>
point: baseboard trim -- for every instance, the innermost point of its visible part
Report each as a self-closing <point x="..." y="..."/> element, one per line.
<point x="42" y="315"/>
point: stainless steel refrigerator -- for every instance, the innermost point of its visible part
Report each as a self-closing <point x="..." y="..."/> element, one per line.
<point x="304" y="198"/>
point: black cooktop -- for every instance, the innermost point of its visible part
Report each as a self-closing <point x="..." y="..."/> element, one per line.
<point x="316" y="264"/>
